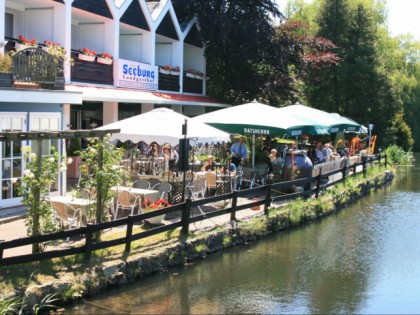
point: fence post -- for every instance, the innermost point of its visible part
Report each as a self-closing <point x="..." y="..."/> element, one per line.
<point x="318" y="183"/>
<point x="234" y="203"/>
<point x="386" y="162"/>
<point x="354" y="168"/>
<point x="129" y="233"/>
<point x="185" y="217"/>
<point x="88" y="242"/>
<point x="267" y="198"/>
<point x="364" y="167"/>
<point x="344" y="170"/>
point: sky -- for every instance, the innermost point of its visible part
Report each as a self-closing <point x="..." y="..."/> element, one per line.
<point x="403" y="16"/>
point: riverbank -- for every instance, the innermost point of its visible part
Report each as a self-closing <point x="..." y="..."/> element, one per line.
<point x="75" y="279"/>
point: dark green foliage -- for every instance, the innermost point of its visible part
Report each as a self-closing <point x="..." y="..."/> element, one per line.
<point x="355" y="87"/>
<point x="245" y="57"/>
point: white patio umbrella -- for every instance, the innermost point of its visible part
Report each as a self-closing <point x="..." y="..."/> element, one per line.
<point x="163" y="125"/>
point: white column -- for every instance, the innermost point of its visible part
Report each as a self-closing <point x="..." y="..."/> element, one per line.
<point x="110" y="112"/>
<point x="2" y="26"/>
<point x="66" y="117"/>
<point x="147" y="108"/>
<point x="66" y="26"/>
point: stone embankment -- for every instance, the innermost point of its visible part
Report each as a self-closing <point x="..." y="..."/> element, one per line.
<point x="103" y="275"/>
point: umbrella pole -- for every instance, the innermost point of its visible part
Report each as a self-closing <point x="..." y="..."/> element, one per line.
<point x="253" y="150"/>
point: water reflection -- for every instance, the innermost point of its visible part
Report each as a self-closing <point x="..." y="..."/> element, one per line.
<point x="360" y="260"/>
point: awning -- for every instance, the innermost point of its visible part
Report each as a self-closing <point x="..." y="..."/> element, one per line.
<point x="121" y="95"/>
<point x="40" y="96"/>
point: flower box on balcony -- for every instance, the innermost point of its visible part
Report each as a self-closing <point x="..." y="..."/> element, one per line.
<point x="161" y="70"/>
<point x="105" y="61"/>
<point x="174" y="72"/>
<point x="86" y="57"/>
<point x="190" y="75"/>
<point x="199" y="77"/>
<point x="20" y="46"/>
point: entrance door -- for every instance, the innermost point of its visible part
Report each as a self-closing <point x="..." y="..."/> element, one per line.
<point x="47" y="122"/>
<point x="11" y="159"/>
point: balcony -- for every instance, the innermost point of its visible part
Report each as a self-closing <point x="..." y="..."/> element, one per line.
<point x="33" y="67"/>
<point x="36" y="68"/>
<point x="91" y="71"/>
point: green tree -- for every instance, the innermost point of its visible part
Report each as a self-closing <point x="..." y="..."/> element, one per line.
<point x="103" y="159"/>
<point x="40" y="173"/>
<point x="245" y="57"/>
<point x="356" y="87"/>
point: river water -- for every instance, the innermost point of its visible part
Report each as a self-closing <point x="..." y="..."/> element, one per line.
<point x="364" y="259"/>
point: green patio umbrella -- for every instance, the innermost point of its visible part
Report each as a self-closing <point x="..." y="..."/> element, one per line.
<point x="259" y="119"/>
<point x="319" y="117"/>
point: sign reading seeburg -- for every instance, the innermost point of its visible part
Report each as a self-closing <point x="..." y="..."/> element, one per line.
<point x="135" y="75"/>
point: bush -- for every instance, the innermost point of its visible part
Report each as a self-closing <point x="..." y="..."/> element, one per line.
<point x="5" y="63"/>
<point x="397" y="156"/>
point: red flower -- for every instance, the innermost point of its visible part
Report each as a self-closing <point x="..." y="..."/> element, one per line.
<point x="25" y="41"/>
<point x="87" y="52"/>
<point x="155" y="205"/>
<point x="105" y="56"/>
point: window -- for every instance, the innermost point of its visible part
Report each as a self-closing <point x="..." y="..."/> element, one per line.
<point x="11" y="155"/>
<point x="46" y="122"/>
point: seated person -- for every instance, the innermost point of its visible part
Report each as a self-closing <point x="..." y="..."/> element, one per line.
<point x="318" y="152"/>
<point x="171" y="157"/>
<point x="224" y="169"/>
<point x="154" y="150"/>
<point x="274" y="158"/>
<point x="209" y="165"/>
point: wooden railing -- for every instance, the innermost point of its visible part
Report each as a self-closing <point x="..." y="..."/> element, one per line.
<point x="267" y="194"/>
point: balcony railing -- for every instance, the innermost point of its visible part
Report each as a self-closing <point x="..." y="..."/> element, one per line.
<point x="32" y="67"/>
<point x="91" y="72"/>
<point x="193" y="85"/>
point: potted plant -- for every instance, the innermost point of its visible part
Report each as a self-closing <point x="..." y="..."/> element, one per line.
<point x="6" y="75"/>
<point x="104" y="58"/>
<point x="199" y="75"/>
<point x="175" y="71"/>
<point x="150" y="205"/>
<point x="25" y="43"/>
<point x="73" y="154"/>
<point x="87" y="54"/>
<point x="190" y="73"/>
<point x="165" y="70"/>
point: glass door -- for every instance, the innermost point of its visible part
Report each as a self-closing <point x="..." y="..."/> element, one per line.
<point x="11" y="159"/>
<point x="47" y="122"/>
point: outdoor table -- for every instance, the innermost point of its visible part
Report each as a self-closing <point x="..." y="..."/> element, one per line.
<point x="83" y="203"/>
<point x="143" y="193"/>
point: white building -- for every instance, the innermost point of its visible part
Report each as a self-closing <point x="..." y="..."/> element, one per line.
<point x="142" y="36"/>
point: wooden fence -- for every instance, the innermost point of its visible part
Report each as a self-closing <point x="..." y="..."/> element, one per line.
<point x="267" y="194"/>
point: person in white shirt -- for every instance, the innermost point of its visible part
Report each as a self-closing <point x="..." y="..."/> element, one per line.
<point x="326" y="152"/>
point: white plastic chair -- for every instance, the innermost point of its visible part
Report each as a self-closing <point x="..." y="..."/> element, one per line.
<point x="141" y="183"/>
<point x="198" y="188"/>
<point x="126" y="201"/>
<point x="164" y="188"/>
<point x="68" y="215"/>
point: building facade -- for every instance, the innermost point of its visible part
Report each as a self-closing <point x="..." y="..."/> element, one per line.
<point x="122" y="58"/>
